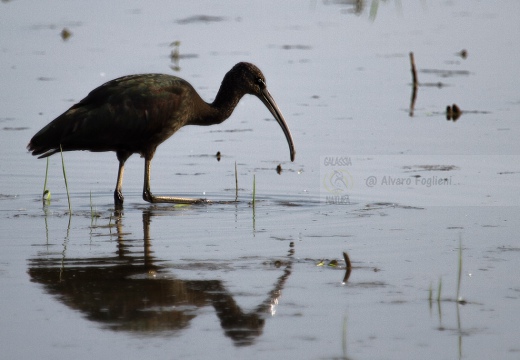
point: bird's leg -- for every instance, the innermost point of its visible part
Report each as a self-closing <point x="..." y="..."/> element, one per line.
<point x="118" y="192"/>
<point x="147" y="194"/>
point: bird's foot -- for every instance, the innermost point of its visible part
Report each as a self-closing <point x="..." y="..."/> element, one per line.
<point x="147" y="196"/>
<point x="118" y="198"/>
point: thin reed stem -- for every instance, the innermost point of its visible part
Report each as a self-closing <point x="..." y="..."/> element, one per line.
<point x="460" y="270"/>
<point x="236" y="182"/>
<point x="254" y="190"/>
<point x="65" y="177"/>
<point x="46" y="193"/>
<point x="439" y="290"/>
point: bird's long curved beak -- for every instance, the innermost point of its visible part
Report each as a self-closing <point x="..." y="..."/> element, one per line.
<point x="269" y="102"/>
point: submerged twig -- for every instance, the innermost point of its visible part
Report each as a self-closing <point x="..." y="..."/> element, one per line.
<point x="348" y="264"/>
<point x="348" y="267"/>
<point x="414" y="71"/>
<point x="415" y="84"/>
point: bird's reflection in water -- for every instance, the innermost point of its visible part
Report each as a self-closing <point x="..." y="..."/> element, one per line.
<point x="129" y="292"/>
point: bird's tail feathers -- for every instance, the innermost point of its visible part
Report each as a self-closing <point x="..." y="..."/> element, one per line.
<point x="43" y="151"/>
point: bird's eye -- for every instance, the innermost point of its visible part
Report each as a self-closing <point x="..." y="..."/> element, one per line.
<point x="260" y="83"/>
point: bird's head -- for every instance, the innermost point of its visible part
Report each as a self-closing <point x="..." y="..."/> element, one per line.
<point x="248" y="79"/>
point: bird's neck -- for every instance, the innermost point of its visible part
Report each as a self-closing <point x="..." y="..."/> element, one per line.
<point x="222" y="107"/>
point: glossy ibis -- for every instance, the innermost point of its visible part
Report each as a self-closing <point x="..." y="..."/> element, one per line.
<point x="136" y="113"/>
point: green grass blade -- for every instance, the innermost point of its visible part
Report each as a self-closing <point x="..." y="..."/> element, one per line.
<point x="92" y="211"/>
<point x="439" y="290"/>
<point x="254" y="190"/>
<point x="253" y="203"/>
<point x="344" y="337"/>
<point x="65" y="177"/>
<point x="236" y="182"/>
<point x="46" y="175"/>
<point x="46" y="197"/>
<point x="459" y="270"/>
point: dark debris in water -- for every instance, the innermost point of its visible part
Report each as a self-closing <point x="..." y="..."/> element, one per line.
<point x="508" y="248"/>
<point x="329" y="236"/>
<point x="199" y="265"/>
<point x="414" y="168"/>
<point x="65" y="34"/>
<point x="296" y="47"/>
<point x="188" y="174"/>
<point x="508" y="172"/>
<point x="271" y="169"/>
<point x="277" y="263"/>
<point x="463" y="53"/>
<point x="453" y="112"/>
<point x="206" y="19"/>
<point x="289" y="203"/>
<point x="385" y="205"/>
<point x="445" y="73"/>
<point x="7" y="197"/>
<point x="371" y="284"/>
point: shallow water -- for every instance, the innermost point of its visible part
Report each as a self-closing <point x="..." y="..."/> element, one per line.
<point x="229" y="280"/>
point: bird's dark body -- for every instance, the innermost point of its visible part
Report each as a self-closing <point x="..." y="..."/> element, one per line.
<point x="132" y="114"/>
<point x="136" y="113"/>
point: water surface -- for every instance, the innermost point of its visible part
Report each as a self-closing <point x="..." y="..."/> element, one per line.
<point x="231" y="281"/>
